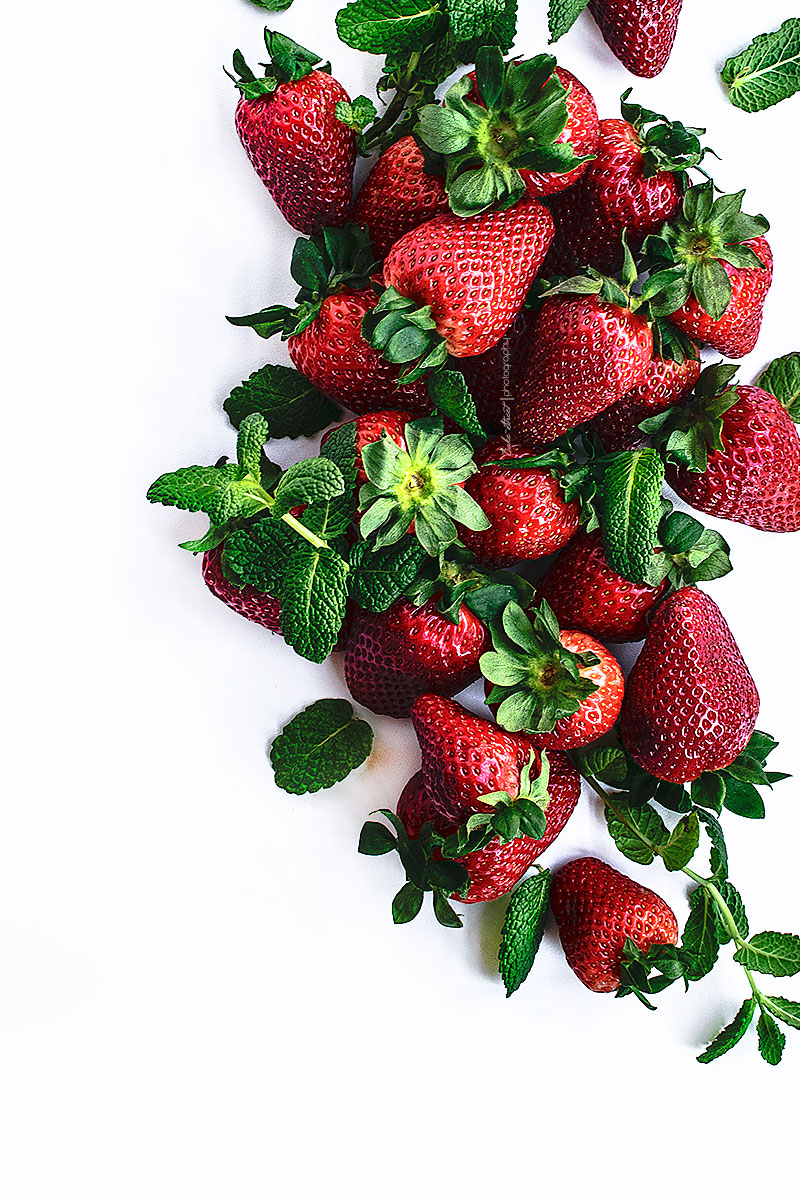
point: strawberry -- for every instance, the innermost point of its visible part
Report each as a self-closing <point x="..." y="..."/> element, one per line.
<point x="664" y="383"/>
<point x="530" y="517"/>
<point x="455" y="286"/>
<point x="287" y="123"/>
<point x="640" y="33"/>
<point x="690" y="703"/>
<point x="635" y="183"/>
<point x="493" y="378"/>
<point x="596" y="909"/>
<point x="711" y="269"/>
<point x="247" y="601"/>
<point x="563" y="688"/>
<point x="369" y="428"/>
<point x="398" y="194"/>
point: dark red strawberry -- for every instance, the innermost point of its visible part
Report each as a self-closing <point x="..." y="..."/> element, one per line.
<point x="398" y="194"/>
<point x="287" y="124"/>
<point x="596" y="908"/>
<point x="493" y="378"/>
<point x="530" y="518"/>
<point x="690" y="703"/>
<point x="664" y="383"/>
<point x="256" y="606"/>
<point x="369" y="428"/>
<point x="640" y="33"/>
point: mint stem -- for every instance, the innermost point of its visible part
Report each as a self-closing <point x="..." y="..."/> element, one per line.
<point x="395" y="108"/>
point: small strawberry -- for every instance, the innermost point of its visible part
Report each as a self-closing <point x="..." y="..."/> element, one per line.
<point x="563" y="688"/>
<point x="530" y="517"/>
<point x="711" y="269"/>
<point x="641" y="33"/>
<point x="247" y="601"/>
<point x="664" y="383"/>
<point x="398" y="194"/>
<point x="323" y="330"/>
<point x="596" y="909"/>
<point x="690" y="703"/>
<point x="287" y="123"/>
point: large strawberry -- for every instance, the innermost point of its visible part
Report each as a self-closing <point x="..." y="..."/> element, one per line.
<point x="323" y="330"/>
<point x="454" y="286"/>
<point x="509" y="129"/>
<point x="398" y="194"/>
<point x="711" y="269"/>
<point x="640" y="33"/>
<point x="635" y="183"/>
<point x="690" y="702"/>
<point x="561" y="687"/>
<point x="287" y="123"/>
<point x="664" y="383"/>
<point x="596" y="910"/>
<point x="529" y="514"/>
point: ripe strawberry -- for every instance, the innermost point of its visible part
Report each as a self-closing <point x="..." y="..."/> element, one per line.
<point x="493" y="378"/>
<point x="474" y="275"/>
<point x="393" y="657"/>
<point x="690" y="703"/>
<point x="586" y="354"/>
<point x="496" y="868"/>
<point x="640" y="33"/>
<point x="369" y="428"/>
<point x="256" y="606"/>
<point x="586" y="593"/>
<point x="287" y="123"/>
<point x="664" y="383"/>
<point x="596" y="908"/>
<point x="530" y="518"/>
<point x="398" y="194"/>
<point x="736" y="332"/>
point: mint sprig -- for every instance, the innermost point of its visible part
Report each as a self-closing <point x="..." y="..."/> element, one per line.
<point x="320" y="747"/>
<point x="291" y="405"/>
<point x="767" y="71"/>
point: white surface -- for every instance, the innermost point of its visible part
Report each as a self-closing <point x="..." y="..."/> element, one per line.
<point x="203" y="994"/>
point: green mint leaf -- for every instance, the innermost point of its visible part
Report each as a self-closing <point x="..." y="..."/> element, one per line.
<point x="771" y="953"/>
<point x="608" y="764"/>
<point x="306" y="482"/>
<point x="682" y="844"/>
<point x="209" y="541"/>
<point x="273" y="5"/>
<point x="727" y="1038"/>
<point x="787" y="1011"/>
<point x="736" y="906"/>
<point x="719" y="851"/>
<point x="449" y="393"/>
<point x="387" y="26"/>
<point x="631" y="498"/>
<point x="522" y="929"/>
<point x="320" y="747"/>
<point x="771" y="1039"/>
<point x="376" y="839"/>
<point x="357" y="114"/>
<point x="488" y="22"/>
<point x="700" y="944"/>
<point x="313" y="599"/>
<point x="640" y="835"/>
<point x="782" y="380"/>
<point x="290" y="404"/>
<point x="768" y="71"/>
<point x="220" y="492"/>
<point x="253" y="432"/>
<point x="562" y="15"/>
<point x="444" y="912"/>
<point x="332" y="517"/>
<point x="260" y="554"/>
<point x="379" y="577"/>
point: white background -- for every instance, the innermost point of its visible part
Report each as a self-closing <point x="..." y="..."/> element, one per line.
<point x="202" y="992"/>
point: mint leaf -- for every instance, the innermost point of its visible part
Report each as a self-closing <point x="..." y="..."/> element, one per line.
<point x="313" y="599"/>
<point x="719" y="851"/>
<point x="312" y="480"/>
<point x="379" y="577"/>
<point x="449" y="392"/>
<point x="735" y="904"/>
<point x="332" y="517"/>
<point x="782" y="380"/>
<point x="522" y="929"/>
<point x="222" y="492"/>
<point x="640" y="834"/>
<point x="727" y="1038"/>
<point x="768" y="71"/>
<point x="787" y="1011"/>
<point x="608" y="764"/>
<point x="683" y="841"/>
<point x="771" y="953"/>
<point x="631" y="497"/>
<point x="291" y="405"/>
<point x="320" y="747"/>
<point x="273" y="5"/>
<point x="562" y="15"/>
<point x="387" y="26"/>
<point x="488" y="22"/>
<point x="771" y="1040"/>
<point x="700" y="944"/>
<point x="253" y="432"/>
<point x="260" y="554"/>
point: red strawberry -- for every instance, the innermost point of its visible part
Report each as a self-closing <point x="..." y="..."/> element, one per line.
<point x="596" y="908"/>
<point x="494" y="870"/>
<point x="736" y="332"/>
<point x="398" y="195"/>
<point x="586" y="354"/>
<point x="288" y="126"/>
<point x="369" y="428"/>
<point x="529" y="516"/>
<point x="640" y="33"/>
<point x="690" y="703"/>
<point x="493" y="378"/>
<point x="586" y="593"/>
<point x="753" y="466"/>
<point x="395" y="656"/>
<point x="256" y="606"/>
<point x="663" y="384"/>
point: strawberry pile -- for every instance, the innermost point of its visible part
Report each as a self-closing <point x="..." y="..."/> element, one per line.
<point x="513" y="310"/>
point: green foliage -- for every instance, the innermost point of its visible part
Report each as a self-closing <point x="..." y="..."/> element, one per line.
<point x="388" y="26"/>
<point x="727" y="1038"/>
<point x="379" y="577"/>
<point x="771" y="1040"/>
<point x="259" y="554"/>
<point x="782" y="379"/>
<point x="485" y="22"/>
<point x="767" y="71"/>
<point x="291" y="405"/>
<point x="313" y="597"/>
<point x="771" y="953"/>
<point x="644" y="973"/>
<point x="273" y="5"/>
<point x="523" y="928"/>
<point x="631" y="507"/>
<point x="425" y="872"/>
<point x="307" y="482"/>
<point x="562" y="15"/>
<point x="522" y="815"/>
<point x="451" y="397"/>
<point x="320" y="747"/>
<point x="700" y="943"/>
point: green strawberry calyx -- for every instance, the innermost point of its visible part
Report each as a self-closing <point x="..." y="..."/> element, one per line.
<point x="665" y="145"/>
<point x="619" y="292"/>
<point x="405" y="333"/>
<point x="686" y="432"/>
<point x="537" y="680"/>
<point x="419" y="486"/>
<point x="517" y="126"/>
<point x="289" y="62"/>
<point x="686" y="257"/>
<point x="456" y="579"/>
<point x="687" y="553"/>
<point x="322" y="265"/>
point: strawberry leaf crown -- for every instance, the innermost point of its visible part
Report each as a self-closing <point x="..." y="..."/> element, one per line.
<point x="686" y="432"/>
<point x="619" y="291"/>
<point x="418" y="487"/>
<point x="537" y="681"/>
<point x="456" y="578"/>
<point x="685" y="258"/>
<point x="405" y="332"/>
<point x="516" y="125"/>
<point x="322" y="265"/>
<point x="289" y="62"/>
<point x="666" y="145"/>
<point x="687" y="553"/>
<point x="644" y="973"/>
